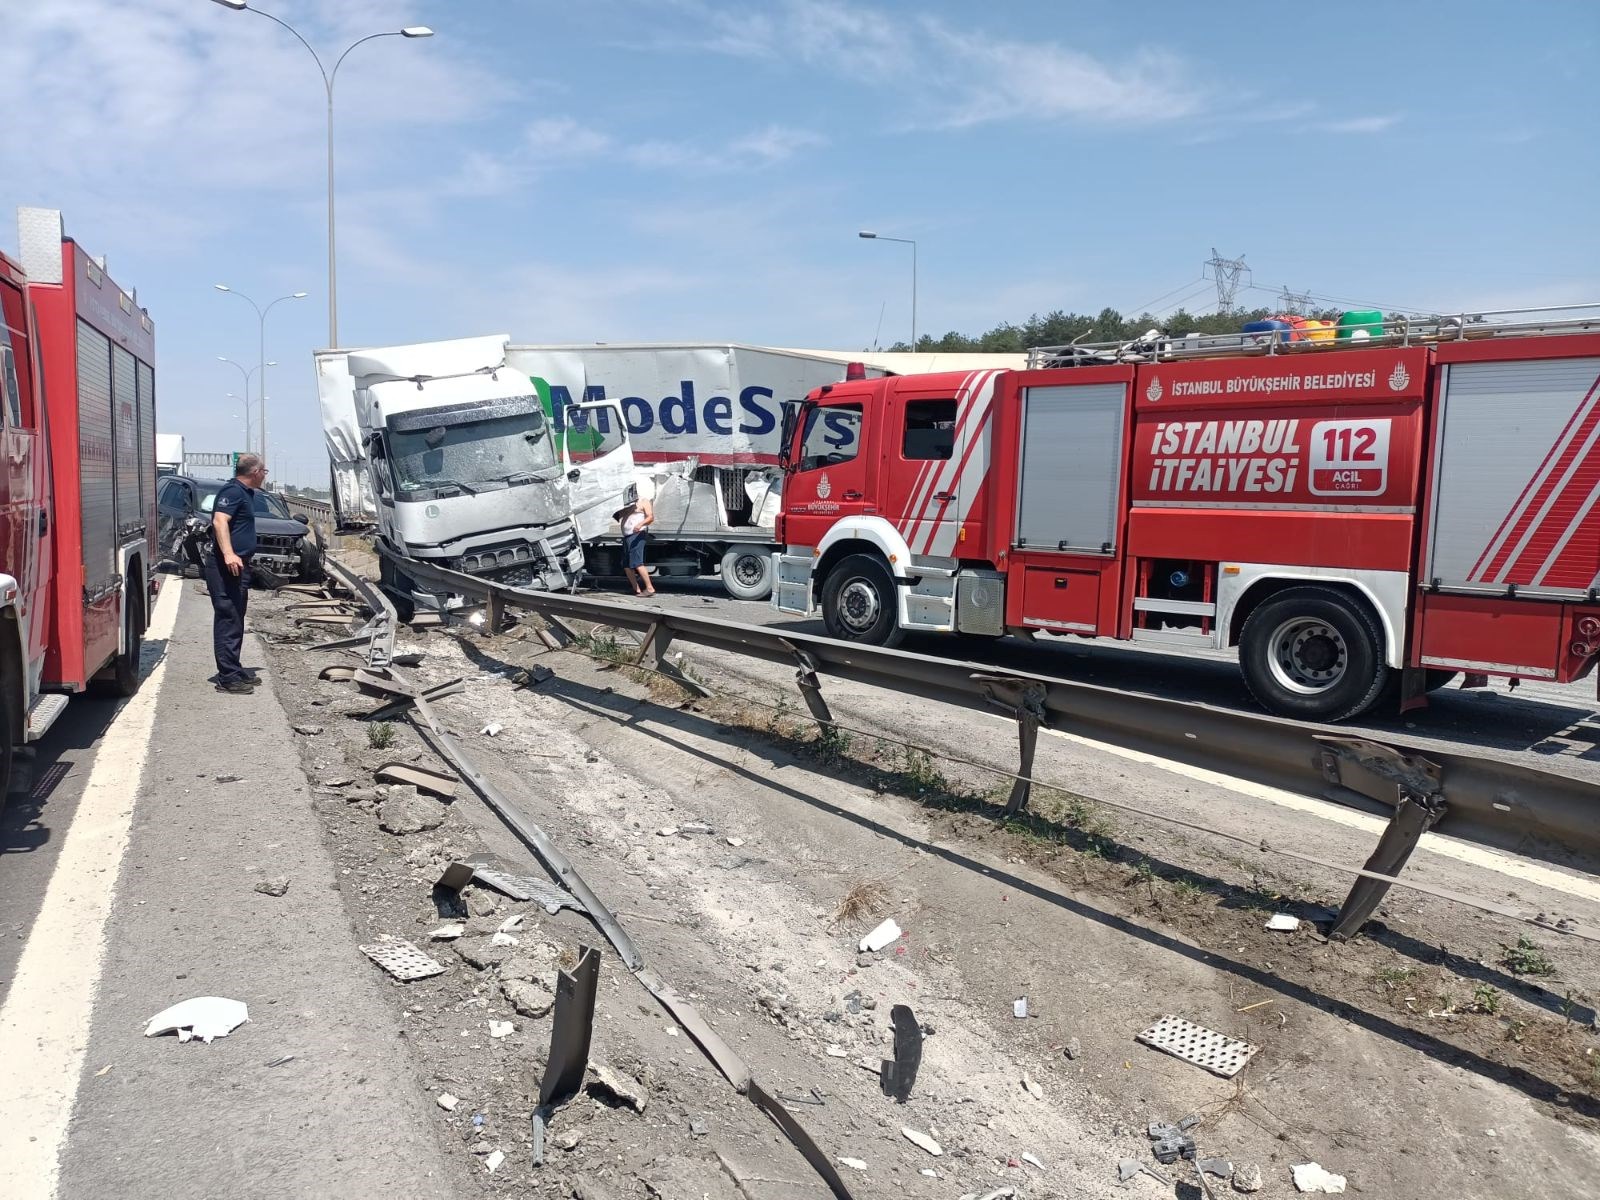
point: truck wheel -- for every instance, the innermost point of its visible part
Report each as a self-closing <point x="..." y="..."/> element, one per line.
<point x="1312" y="653"/>
<point x="859" y="603"/>
<point x="747" y="572"/>
<point x="125" y="672"/>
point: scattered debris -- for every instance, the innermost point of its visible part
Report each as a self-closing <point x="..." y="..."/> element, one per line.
<point x="1019" y="1007"/>
<point x="447" y="1102"/>
<point x="620" y="1088"/>
<point x="408" y="811"/>
<point x="107" y="1067"/>
<point x="882" y="936"/>
<point x="401" y="959"/>
<point x="530" y="998"/>
<point x="855" y="1164"/>
<point x="226" y="779"/>
<point x="667" y="831"/>
<point x="1220" y="1167"/>
<point x="435" y="783"/>
<point x="1247" y="1178"/>
<point x="1073" y="1049"/>
<point x="447" y="933"/>
<point x="694" y="827"/>
<point x="492" y="729"/>
<point x="1032" y="1088"/>
<point x="735" y="842"/>
<point x="1000" y="1193"/>
<point x="502" y="938"/>
<point x="511" y="924"/>
<point x="569" y="1140"/>
<point x="203" y="1017"/>
<point x="308" y="730"/>
<point x="1032" y="1159"/>
<point x="1283" y="923"/>
<point x="1127" y="1168"/>
<point x="897" y="1075"/>
<point x="284" y="1061"/>
<point x="1216" y="1052"/>
<point x="837" y="1052"/>
<point x="276" y="886"/>
<point x="1170" y="1143"/>
<point x="1189" y="1122"/>
<point x="922" y="1140"/>
<point x="500" y="1029"/>
<point x="494" y="1160"/>
<point x="1312" y="1177"/>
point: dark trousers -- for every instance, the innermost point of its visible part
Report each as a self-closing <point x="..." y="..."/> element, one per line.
<point x="230" y="596"/>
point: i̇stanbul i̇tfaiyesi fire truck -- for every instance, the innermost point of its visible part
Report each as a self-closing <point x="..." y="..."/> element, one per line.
<point x="1369" y="510"/>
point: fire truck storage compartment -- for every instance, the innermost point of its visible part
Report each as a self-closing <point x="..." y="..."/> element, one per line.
<point x="1517" y="465"/>
<point x="96" y="466"/>
<point x="1060" y="599"/>
<point x="1071" y="462"/>
<point x="1484" y="633"/>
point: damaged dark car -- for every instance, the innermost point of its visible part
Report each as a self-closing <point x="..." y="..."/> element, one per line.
<point x="287" y="548"/>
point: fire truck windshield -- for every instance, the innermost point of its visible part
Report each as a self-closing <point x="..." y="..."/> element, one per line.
<point x="471" y="456"/>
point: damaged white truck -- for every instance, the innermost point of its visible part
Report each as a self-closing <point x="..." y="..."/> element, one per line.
<point x="465" y="470"/>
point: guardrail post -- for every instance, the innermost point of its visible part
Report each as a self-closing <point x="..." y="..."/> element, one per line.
<point x="1024" y="700"/>
<point x="494" y="612"/>
<point x="1414" y="815"/>
<point x="810" y="687"/>
<point x="662" y="642"/>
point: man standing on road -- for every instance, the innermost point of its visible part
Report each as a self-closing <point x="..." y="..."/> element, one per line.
<point x="227" y="568"/>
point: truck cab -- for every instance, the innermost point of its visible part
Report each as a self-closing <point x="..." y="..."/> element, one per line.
<point x="465" y="469"/>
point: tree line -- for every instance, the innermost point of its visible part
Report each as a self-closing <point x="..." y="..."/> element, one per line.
<point x="1059" y="328"/>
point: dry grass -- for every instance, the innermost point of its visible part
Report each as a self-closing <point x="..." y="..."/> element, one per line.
<point x="865" y="899"/>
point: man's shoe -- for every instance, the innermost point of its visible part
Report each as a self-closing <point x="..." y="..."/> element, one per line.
<point x="238" y="687"/>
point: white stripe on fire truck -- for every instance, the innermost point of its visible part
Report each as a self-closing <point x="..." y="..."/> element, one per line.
<point x="1572" y="528"/>
<point x="928" y="473"/>
<point x="948" y="477"/>
<point x="928" y="478"/>
<point x="1578" y="461"/>
<point x="1533" y="486"/>
<point x="973" y="442"/>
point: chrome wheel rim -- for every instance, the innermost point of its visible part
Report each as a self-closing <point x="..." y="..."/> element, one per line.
<point x="858" y="605"/>
<point x="1307" y="655"/>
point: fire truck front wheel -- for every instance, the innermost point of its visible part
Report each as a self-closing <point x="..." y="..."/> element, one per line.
<point x="1313" y="653"/>
<point x="859" y="604"/>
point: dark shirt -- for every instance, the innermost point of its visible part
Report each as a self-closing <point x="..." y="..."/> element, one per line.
<point x="237" y="503"/>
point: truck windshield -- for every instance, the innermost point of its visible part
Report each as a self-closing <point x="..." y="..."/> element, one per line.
<point x="471" y="456"/>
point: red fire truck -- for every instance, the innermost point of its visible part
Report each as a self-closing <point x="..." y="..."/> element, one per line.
<point x="77" y="492"/>
<point x="1355" y="516"/>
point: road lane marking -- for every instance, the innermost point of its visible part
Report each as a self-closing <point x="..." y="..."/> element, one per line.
<point x="1521" y="869"/>
<point x="45" y="1023"/>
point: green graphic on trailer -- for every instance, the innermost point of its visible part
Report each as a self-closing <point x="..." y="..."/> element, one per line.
<point x="580" y="444"/>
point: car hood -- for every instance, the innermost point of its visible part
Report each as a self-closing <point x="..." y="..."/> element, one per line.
<point x="278" y="527"/>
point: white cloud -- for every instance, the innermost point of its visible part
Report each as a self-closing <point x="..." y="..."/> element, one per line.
<point x="1359" y="125"/>
<point x="564" y="139"/>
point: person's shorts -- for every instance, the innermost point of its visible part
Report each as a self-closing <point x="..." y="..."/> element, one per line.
<point x="633" y="549"/>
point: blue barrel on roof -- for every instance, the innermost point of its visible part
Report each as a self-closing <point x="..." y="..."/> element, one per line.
<point x="1270" y="330"/>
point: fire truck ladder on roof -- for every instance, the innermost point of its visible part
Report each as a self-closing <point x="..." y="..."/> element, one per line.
<point x="1156" y="346"/>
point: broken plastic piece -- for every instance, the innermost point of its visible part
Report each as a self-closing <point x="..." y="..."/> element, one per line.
<point x="1312" y="1177"/>
<point x="1032" y="1088"/>
<point x="1216" y="1052"/>
<point x="1019" y="1007"/>
<point x="204" y="1017"/>
<point x="853" y="1163"/>
<point x="494" y="1160"/>
<point x="492" y="729"/>
<point x="921" y="1139"/>
<point x="881" y="936"/>
<point x="447" y="1102"/>
<point x="402" y="960"/>
<point x="447" y="933"/>
<point x="500" y="1029"/>
<point x="1283" y="923"/>
<point x="1220" y="1167"/>
<point x="1032" y="1159"/>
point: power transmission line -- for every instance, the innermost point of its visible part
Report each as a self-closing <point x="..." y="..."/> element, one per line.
<point x="1227" y="273"/>
<point x="1147" y="305"/>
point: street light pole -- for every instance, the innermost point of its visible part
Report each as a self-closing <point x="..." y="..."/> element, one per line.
<point x="261" y="314"/>
<point x="246" y="400"/>
<point x="261" y="391"/>
<point x="878" y="237"/>
<point x="328" y="79"/>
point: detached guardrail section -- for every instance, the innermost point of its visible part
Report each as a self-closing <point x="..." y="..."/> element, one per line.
<point x="1483" y="800"/>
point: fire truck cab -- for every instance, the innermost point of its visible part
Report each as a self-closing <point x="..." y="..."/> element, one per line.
<point x="1356" y="517"/>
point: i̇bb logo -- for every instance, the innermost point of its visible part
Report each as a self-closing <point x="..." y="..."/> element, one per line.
<point x="1153" y="392"/>
<point x="1350" y="458"/>
<point x="824" y="488"/>
<point x="1399" y="377"/>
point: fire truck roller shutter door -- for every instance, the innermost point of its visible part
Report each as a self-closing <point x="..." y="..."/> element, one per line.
<point x="1071" y="439"/>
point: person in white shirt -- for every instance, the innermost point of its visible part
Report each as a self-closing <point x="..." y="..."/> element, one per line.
<point x="636" y="523"/>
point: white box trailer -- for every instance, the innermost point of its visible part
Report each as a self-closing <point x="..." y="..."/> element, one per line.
<point x="704" y="420"/>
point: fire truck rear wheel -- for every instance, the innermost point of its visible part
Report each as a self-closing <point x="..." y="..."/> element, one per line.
<point x="125" y="668"/>
<point x="859" y="604"/>
<point x="747" y="572"/>
<point x="1313" y="653"/>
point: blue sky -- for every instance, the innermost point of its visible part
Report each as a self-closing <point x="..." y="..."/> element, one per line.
<point x="617" y="170"/>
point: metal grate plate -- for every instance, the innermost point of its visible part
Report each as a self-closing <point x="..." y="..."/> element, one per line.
<point x="526" y="887"/>
<point x="1216" y="1052"/>
<point x="402" y="960"/>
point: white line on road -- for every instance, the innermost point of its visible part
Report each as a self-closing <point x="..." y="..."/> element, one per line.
<point x="44" y="1026"/>
<point x="1520" y="869"/>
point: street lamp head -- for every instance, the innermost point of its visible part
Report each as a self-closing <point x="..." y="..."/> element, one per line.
<point x="223" y="358"/>
<point x="866" y="233"/>
<point x="299" y="295"/>
<point x="236" y="5"/>
<point x="410" y="31"/>
<point x="222" y="287"/>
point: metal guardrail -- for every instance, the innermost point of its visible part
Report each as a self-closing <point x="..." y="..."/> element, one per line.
<point x="1484" y="800"/>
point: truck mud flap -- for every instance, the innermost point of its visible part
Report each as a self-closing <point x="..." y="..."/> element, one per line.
<point x="793" y="591"/>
